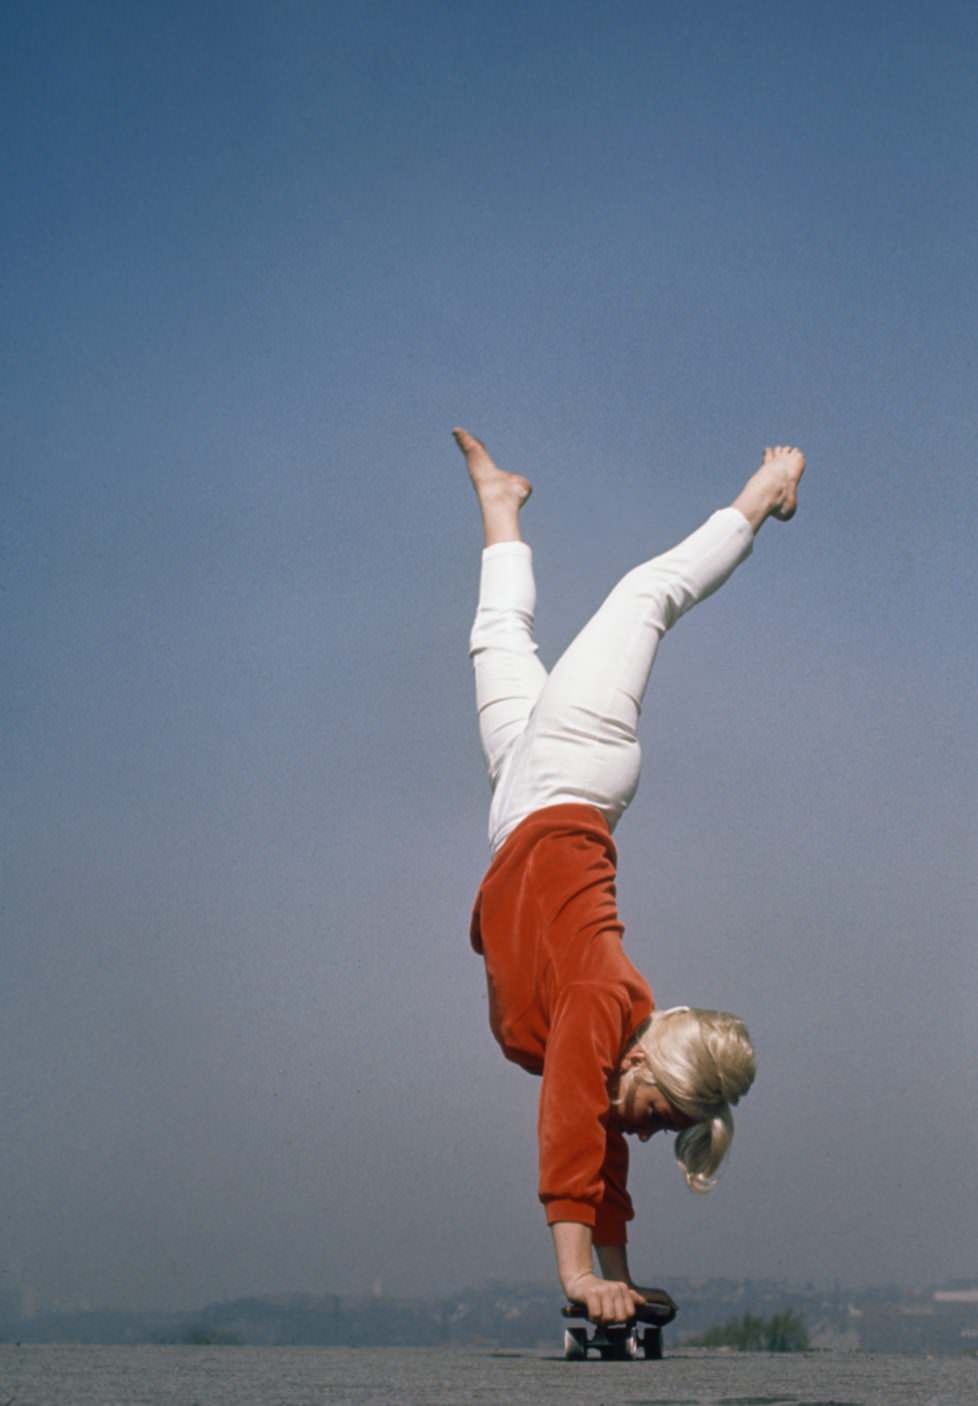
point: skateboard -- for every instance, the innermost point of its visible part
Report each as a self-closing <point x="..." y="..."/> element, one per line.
<point x="621" y="1342"/>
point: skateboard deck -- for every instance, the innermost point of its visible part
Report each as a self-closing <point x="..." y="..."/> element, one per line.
<point x="620" y="1342"/>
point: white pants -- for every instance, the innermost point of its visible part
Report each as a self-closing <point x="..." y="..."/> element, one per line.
<point x="572" y="736"/>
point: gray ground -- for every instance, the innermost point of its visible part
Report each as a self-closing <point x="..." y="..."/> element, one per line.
<point x="181" y="1376"/>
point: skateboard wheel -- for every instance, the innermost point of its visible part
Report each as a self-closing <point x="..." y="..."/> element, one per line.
<point x="617" y="1343"/>
<point x="575" y="1344"/>
<point x="652" y="1344"/>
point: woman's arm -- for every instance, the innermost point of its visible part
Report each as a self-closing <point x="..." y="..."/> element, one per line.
<point x="607" y="1300"/>
<point x="613" y="1260"/>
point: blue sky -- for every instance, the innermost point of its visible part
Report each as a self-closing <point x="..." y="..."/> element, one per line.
<point x="257" y="260"/>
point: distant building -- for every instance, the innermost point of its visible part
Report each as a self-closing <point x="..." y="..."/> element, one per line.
<point x="944" y="1323"/>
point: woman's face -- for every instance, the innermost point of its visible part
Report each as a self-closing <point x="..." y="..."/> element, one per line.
<point x="644" y="1110"/>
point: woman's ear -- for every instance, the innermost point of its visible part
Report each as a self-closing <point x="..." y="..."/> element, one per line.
<point x="634" y="1056"/>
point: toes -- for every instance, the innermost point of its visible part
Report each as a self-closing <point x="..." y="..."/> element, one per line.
<point x="468" y="443"/>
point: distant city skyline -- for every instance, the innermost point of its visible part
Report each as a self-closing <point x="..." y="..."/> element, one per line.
<point x="733" y="1312"/>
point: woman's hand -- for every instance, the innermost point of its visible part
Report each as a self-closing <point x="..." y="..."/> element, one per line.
<point x="607" y="1300"/>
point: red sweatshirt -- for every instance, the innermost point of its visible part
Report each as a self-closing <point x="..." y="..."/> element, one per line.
<point x="564" y="1001"/>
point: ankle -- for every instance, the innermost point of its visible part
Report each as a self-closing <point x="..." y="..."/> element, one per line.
<point x="755" y="502"/>
<point x="500" y="526"/>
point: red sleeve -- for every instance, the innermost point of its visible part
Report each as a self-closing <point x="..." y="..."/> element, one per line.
<point x="583" y="1163"/>
<point x="615" y="1209"/>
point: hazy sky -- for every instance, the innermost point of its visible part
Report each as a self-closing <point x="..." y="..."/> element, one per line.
<point x="257" y="259"/>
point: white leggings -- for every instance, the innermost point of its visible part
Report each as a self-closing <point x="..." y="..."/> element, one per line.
<point x="572" y="736"/>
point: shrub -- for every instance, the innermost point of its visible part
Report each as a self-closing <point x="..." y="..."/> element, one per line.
<point x="783" y="1332"/>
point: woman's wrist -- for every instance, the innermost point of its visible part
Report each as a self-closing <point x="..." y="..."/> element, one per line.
<point x="572" y="1242"/>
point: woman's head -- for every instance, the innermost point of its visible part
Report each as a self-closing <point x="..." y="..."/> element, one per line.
<point x="703" y="1063"/>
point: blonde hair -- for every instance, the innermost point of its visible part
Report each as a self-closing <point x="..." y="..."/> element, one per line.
<point x="703" y="1061"/>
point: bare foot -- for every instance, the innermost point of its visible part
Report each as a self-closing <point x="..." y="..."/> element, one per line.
<point x="500" y="494"/>
<point x="788" y="464"/>
<point x="490" y="482"/>
<point x="773" y="490"/>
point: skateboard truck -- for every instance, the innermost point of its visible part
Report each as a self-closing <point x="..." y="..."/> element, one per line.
<point x="621" y="1342"/>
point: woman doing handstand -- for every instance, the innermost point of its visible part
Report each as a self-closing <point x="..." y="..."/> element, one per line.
<point x="563" y="758"/>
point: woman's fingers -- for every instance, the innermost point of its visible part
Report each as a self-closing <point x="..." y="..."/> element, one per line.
<point x="611" y="1302"/>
